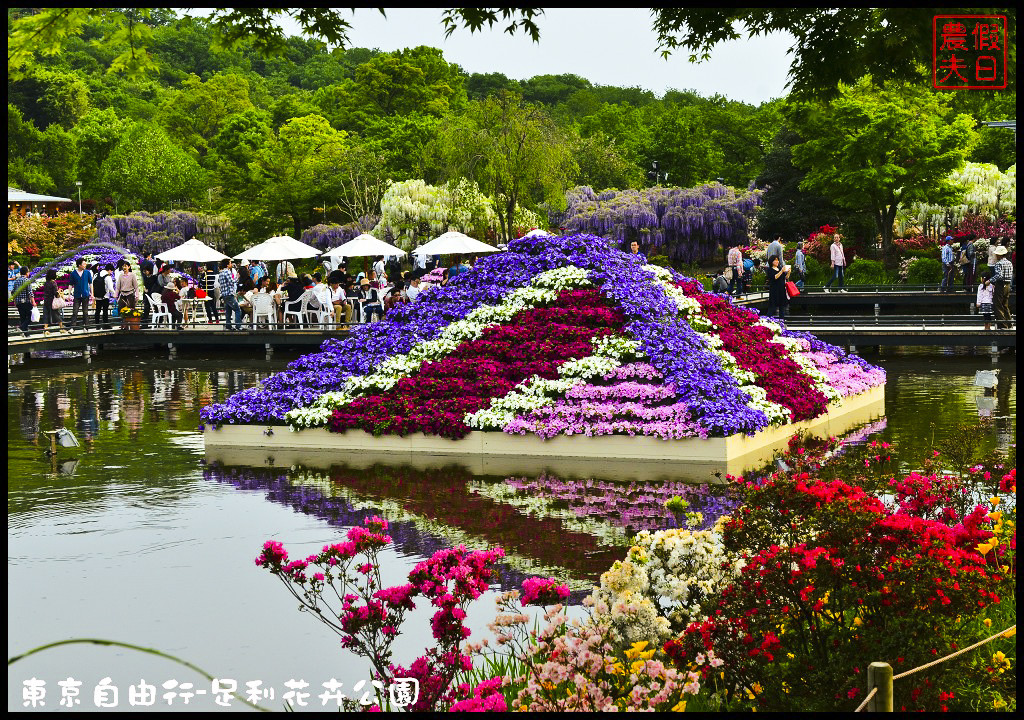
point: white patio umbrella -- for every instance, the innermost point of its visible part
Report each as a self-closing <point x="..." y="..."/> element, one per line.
<point x="454" y="243"/>
<point x="192" y="251"/>
<point x="281" y="247"/>
<point x="537" y="233"/>
<point x="365" y="246"/>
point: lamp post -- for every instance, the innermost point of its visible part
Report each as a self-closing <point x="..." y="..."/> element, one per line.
<point x="79" y="184"/>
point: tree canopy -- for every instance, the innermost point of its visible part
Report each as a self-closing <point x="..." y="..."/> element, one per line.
<point x="882" y="148"/>
<point x="226" y="114"/>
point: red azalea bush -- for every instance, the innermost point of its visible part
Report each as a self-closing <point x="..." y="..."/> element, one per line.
<point x="436" y="400"/>
<point x="916" y="246"/>
<point x="834" y="580"/>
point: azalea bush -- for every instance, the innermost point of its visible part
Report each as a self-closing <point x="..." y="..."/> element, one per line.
<point x="832" y="578"/>
<point x="923" y="271"/>
<point x="721" y="369"/>
<point x="341" y="586"/>
<point x="48" y="236"/>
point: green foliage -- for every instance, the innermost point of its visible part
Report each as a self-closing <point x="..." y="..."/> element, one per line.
<point x="197" y="112"/>
<point x="514" y="152"/>
<point x="832" y="45"/>
<point x="924" y="271"/>
<point x="96" y="135"/>
<point x="293" y="173"/>
<point x="787" y="210"/>
<point x="47" y="96"/>
<point x="878" y="149"/>
<point x="147" y="170"/>
<point x="817" y="274"/>
<point x="866" y="272"/>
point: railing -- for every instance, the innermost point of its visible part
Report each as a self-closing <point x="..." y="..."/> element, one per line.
<point x="880" y="677"/>
<point x="910" y="322"/>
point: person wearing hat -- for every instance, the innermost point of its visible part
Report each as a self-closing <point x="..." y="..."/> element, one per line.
<point x="948" y="269"/>
<point x="1003" y="278"/>
<point x="371" y="300"/>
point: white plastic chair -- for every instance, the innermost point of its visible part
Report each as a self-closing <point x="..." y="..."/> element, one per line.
<point x="296" y="308"/>
<point x="263" y="307"/>
<point x="158" y="309"/>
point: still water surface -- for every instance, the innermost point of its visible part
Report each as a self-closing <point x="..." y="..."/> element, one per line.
<point x="134" y="537"/>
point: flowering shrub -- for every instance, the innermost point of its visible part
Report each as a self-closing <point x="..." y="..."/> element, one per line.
<point x="572" y="665"/>
<point x="728" y="369"/>
<point x="832" y="578"/>
<point x="369" y="614"/>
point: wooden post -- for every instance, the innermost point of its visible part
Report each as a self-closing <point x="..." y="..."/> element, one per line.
<point x="880" y="676"/>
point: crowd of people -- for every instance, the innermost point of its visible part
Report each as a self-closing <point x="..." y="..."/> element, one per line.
<point x="330" y="295"/>
<point x="335" y="295"/>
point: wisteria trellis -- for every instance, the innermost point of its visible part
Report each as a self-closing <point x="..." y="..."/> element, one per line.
<point x="686" y="224"/>
<point x="697" y="386"/>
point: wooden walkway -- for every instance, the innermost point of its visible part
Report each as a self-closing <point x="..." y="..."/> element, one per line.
<point x="879" y="296"/>
<point x="213" y="336"/>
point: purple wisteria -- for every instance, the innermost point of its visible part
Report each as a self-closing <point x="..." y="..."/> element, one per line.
<point x="687" y="224"/>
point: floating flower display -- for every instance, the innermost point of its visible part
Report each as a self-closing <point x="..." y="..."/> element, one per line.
<point x="560" y="336"/>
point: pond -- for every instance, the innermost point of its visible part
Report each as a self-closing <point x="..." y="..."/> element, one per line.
<point x="134" y="537"/>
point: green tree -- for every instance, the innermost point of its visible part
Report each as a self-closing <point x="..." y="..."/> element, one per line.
<point x="786" y="210"/>
<point x="482" y="85"/>
<point x="147" y="170"/>
<point x="235" y="148"/>
<point x="881" y="148"/>
<point x="196" y="113"/>
<point x="683" y="146"/>
<point x="514" y="151"/>
<point x="407" y="144"/>
<point x="602" y="166"/>
<point x="96" y="135"/>
<point x="46" y="96"/>
<point x="298" y="170"/>
<point x="832" y="45"/>
<point x="552" y="89"/>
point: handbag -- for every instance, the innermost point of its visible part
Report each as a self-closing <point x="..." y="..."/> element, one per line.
<point x="58" y="303"/>
<point x="964" y="260"/>
<point x="791" y="289"/>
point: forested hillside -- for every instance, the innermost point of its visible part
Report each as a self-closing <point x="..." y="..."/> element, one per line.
<point x="283" y="143"/>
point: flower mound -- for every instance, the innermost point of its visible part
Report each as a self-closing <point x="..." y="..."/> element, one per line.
<point x="530" y="341"/>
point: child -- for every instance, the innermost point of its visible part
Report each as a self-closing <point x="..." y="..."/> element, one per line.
<point x="986" y="291"/>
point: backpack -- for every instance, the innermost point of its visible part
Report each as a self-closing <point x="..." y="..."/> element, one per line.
<point x="99" y="286"/>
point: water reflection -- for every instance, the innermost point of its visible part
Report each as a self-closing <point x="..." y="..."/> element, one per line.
<point x="571" y="529"/>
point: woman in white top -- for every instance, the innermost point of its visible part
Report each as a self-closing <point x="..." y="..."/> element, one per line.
<point x="378" y="270"/>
